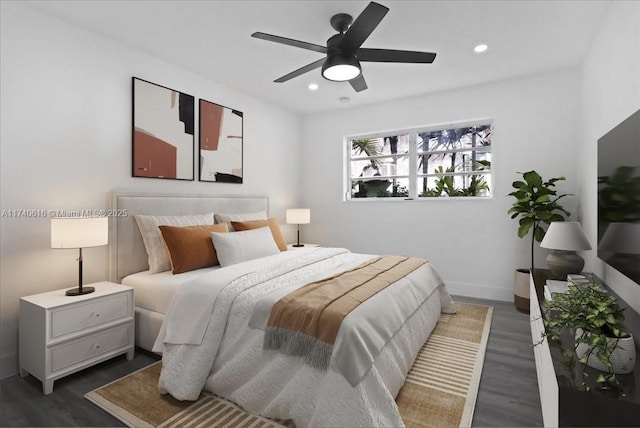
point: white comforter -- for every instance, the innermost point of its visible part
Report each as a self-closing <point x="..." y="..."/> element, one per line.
<point x="209" y="340"/>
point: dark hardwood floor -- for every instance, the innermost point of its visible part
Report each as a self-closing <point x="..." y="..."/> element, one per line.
<point x="508" y="395"/>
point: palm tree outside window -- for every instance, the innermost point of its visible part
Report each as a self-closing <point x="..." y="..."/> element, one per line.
<point x="426" y="162"/>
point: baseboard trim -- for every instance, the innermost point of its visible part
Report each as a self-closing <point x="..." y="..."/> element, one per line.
<point x="480" y="291"/>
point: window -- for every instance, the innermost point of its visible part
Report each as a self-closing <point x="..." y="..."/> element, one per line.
<point x="428" y="162"/>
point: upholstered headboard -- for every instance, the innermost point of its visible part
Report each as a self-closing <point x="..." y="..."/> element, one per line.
<point x="127" y="254"/>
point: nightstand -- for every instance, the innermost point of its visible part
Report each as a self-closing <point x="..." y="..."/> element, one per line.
<point x="291" y="247"/>
<point x="61" y="334"/>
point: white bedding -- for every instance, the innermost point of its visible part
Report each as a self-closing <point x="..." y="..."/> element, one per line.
<point x="225" y="355"/>
<point x="155" y="291"/>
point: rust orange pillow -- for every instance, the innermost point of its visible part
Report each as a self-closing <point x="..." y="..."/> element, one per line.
<point x="255" y="224"/>
<point x="190" y="247"/>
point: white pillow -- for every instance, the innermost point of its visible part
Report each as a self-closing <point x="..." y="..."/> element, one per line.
<point x="237" y="247"/>
<point x="228" y="218"/>
<point x="159" y="258"/>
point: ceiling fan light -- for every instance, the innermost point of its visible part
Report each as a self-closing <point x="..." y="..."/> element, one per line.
<point x="341" y="68"/>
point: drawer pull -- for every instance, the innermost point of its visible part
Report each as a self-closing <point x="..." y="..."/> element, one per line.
<point x="97" y="346"/>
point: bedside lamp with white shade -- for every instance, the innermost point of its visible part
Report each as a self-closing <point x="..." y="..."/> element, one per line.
<point x="79" y="232"/>
<point x="565" y="238"/>
<point x="298" y="216"/>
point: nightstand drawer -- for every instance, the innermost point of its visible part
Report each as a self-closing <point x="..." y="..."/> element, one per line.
<point x="77" y="351"/>
<point x="90" y="314"/>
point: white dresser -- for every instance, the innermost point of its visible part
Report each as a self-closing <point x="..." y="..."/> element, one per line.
<point x="564" y="400"/>
<point x="547" y="383"/>
<point x="62" y="334"/>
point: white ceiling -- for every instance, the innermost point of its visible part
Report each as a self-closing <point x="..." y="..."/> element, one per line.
<point x="212" y="38"/>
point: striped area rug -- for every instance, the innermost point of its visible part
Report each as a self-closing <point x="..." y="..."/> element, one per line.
<point x="440" y="389"/>
<point x="442" y="386"/>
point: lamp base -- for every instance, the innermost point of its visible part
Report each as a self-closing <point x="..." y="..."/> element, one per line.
<point x="297" y="245"/>
<point x="561" y="263"/>
<point x="78" y="291"/>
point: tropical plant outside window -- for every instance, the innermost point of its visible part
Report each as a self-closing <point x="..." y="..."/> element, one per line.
<point x="453" y="161"/>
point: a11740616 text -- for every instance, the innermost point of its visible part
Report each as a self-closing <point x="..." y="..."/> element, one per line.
<point x="51" y="213"/>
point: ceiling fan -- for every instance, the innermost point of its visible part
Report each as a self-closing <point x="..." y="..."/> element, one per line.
<point x="344" y="52"/>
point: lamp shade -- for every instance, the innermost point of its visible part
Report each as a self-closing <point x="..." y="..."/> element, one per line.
<point x="79" y="232"/>
<point x="565" y="235"/>
<point x="299" y="216"/>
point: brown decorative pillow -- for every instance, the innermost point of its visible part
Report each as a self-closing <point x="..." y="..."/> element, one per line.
<point x="190" y="247"/>
<point x="255" y="224"/>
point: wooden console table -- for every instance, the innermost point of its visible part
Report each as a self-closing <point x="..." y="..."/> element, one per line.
<point x="563" y="398"/>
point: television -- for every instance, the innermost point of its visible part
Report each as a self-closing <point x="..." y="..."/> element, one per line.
<point x="619" y="197"/>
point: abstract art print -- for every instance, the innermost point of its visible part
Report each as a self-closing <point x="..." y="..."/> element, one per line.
<point x="163" y="132"/>
<point x="220" y="143"/>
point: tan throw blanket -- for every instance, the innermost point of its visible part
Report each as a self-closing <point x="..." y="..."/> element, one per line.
<point x="306" y="321"/>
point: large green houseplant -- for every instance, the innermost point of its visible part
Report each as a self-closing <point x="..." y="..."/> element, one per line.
<point x="595" y="317"/>
<point x="536" y="205"/>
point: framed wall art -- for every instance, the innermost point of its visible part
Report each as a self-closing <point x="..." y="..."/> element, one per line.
<point x="163" y="132"/>
<point x="220" y="143"/>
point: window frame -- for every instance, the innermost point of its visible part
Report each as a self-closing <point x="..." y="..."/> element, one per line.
<point x="413" y="154"/>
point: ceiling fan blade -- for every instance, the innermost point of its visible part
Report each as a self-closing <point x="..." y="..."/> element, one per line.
<point x="358" y="84"/>
<point x="390" y="55"/>
<point x="301" y="70"/>
<point x="363" y="26"/>
<point x="290" y="42"/>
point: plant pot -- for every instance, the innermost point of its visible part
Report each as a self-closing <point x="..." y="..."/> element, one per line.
<point x="623" y="358"/>
<point x="521" y="295"/>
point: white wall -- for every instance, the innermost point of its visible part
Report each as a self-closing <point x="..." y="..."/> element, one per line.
<point x="611" y="93"/>
<point x="472" y="243"/>
<point x="66" y="143"/>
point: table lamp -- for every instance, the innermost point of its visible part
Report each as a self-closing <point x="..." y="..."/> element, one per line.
<point x="298" y="216"/>
<point x="79" y="232"/>
<point x="565" y="238"/>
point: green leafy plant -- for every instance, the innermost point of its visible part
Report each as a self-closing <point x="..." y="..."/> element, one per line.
<point x="444" y="185"/>
<point x="598" y="317"/>
<point x="536" y="205"/>
<point x="367" y="147"/>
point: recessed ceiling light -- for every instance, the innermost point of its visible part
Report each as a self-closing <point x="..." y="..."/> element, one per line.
<point x="480" y="48"/>
<point x="313" y="86"/>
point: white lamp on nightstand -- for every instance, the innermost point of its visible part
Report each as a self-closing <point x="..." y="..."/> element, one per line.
<point x="565" y="238"/>
<point x="79" y="232"/>
<point x="298" y="216"/>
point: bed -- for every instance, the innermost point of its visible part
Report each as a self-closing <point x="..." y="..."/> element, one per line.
<point x="228" y="353"/>
<point x="128" y="257"/>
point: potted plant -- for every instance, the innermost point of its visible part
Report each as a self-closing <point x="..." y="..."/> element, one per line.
<point x="600" y="340"/>
<point x="536" y="205"/>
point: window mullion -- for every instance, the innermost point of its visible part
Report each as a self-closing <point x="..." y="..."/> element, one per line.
<point x="347" y="183"/>
<point x="413" y="165"/>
